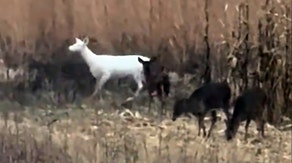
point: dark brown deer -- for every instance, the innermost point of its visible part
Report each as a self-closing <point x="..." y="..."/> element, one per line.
<point x="208" y="97"/>
<point x="64" y="78"/>
<point x="157" y="81"/>
<point x="250" y="105"/>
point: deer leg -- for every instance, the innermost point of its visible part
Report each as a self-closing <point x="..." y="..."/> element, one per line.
<point x="150" y="102"/>
<point x="162" y="111"/>
<point x="214" y="120"/>
<point x="201" y="125"/>
<point x="260" y="128"/>
<point x="226" y="112"/>
<point x="263" y="129"/>
<point x="162" y="103"/>
<point x="246" y="128"/>
<point x="101" y="83"/>
<point x="95" y="89"/>
<point x="140" y="86"/>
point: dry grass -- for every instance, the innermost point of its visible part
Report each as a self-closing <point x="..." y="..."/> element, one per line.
<point x="135" y="25"/>
<point x="174" y="31"/>
<point x="108" y="135"/>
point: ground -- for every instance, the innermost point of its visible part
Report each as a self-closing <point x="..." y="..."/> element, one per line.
<point x="107" y="133"/>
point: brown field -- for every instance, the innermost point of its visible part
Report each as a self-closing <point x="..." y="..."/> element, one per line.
<point x="87" y="135"/>
<point x="35" y="128"/>
<point x="105" y="132"/>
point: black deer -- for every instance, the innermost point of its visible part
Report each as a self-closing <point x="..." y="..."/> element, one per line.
<point x="157" y="81"/>
<point x="209" y="97"/>
<point x="65" y="78"/>
<point x="250" y="105"/>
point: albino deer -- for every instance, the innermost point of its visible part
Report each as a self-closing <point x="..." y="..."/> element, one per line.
<point x="103" y="67"/>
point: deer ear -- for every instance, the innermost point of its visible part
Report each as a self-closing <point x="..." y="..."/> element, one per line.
<point x="86" y="40"/>
<point x="140" y="60"/>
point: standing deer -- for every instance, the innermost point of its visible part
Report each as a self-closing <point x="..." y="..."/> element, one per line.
<point x="105" y="66"/>
<point x="157" y="81"/>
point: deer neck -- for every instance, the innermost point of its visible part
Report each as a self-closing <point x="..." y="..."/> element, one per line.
<point x="88" y="56"/>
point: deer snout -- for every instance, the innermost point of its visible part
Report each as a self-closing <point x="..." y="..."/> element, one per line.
<point x="70" y="48"/>
<point x="173" y="118"/>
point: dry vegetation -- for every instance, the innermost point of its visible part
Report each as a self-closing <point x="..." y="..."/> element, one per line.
<point x="247" y="42"/>
<point x="105" y="135"/>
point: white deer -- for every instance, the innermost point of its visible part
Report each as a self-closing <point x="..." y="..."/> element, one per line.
<point x="103" y="67"/>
